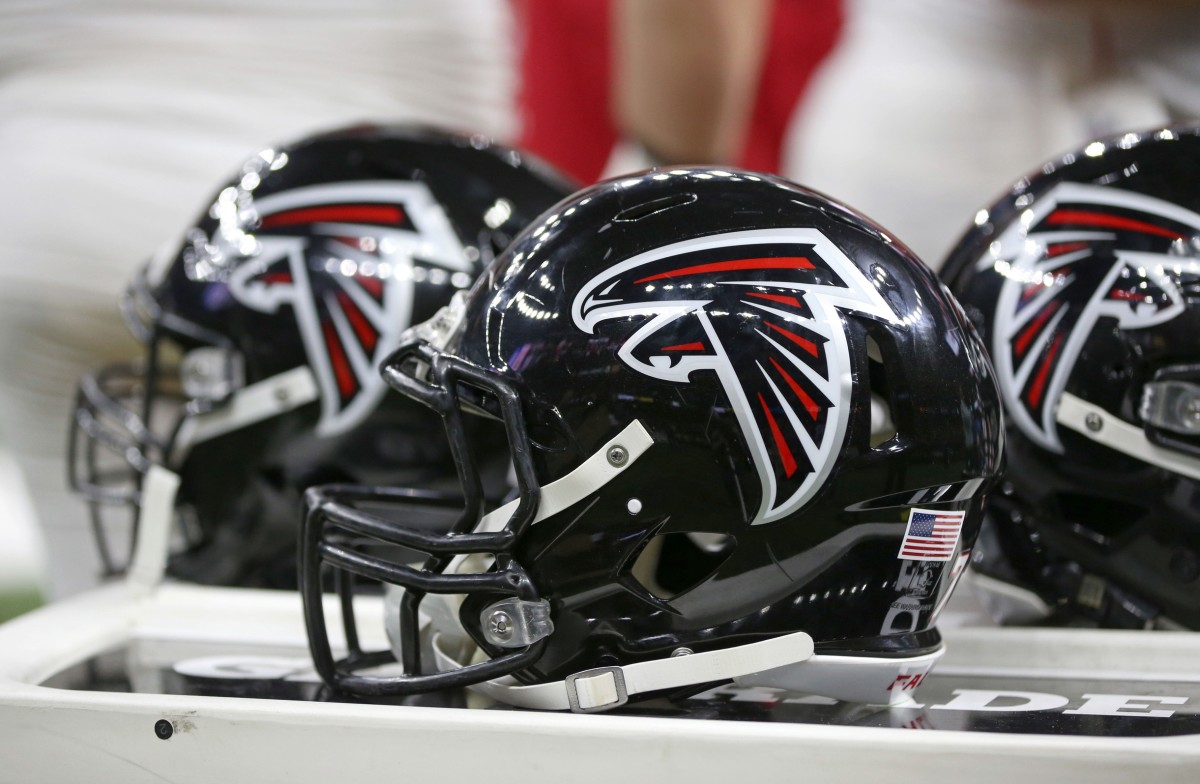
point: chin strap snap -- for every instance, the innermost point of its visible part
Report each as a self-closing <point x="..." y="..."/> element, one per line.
<point x="605" y="688"/>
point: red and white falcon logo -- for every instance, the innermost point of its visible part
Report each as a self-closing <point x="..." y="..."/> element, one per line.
<point x="785" y="370"/>
<point x="1080" y="254"/>
<point x="346" y="257"/>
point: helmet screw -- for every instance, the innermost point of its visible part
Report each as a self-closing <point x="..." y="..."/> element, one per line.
<point x="1191" y="412"/>
<point x="681" y="652"/>
<point x="1093" y="422"/>
<point x="500" y="625"/>
<point x="617" y="456"/>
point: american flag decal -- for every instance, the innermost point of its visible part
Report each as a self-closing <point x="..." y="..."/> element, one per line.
<point x="931" y="535"/>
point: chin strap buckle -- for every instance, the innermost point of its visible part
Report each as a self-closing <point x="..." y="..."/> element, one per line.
<point x="599" y="689"/>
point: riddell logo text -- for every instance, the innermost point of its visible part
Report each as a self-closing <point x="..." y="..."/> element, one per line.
<point x="907" y="682"/>
<point x="986" y="700"/>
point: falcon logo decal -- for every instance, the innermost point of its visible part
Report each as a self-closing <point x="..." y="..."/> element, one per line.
<point x="789" y="379"/>
<point x="1083" y="253"/>
<point x="346" y="258"/>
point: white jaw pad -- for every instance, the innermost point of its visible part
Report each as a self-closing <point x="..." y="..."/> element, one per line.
<point x="868" y="679"/>
<point x="1118" y="434"/>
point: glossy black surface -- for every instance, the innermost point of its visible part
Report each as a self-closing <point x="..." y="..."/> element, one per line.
<point x="312" y="219"/>
<point x="827" y="565"/>
<point x="1098" y="534"/>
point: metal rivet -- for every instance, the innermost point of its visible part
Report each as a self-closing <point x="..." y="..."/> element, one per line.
<point x="633" y="506"/>
<point x="1184" y="564"/>
<point x="1093" y="422"/>
<point x="164" y="729"/>
<point x="681" y="652"/>
<point x="500" y="625"/>
<point x="281" y="394"/>
<point x="617" y="456"/>
<point x="1191" y="412"/>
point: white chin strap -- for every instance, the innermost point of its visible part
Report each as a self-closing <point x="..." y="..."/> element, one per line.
<point x="587" y="478"/>
<point x="786" y="662"/>
<point x="1104" y="428"/>
<point x="609" y="687"/>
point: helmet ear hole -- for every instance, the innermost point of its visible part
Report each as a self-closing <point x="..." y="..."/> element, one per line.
<point x="883" y="425"/>
<point x="672" y="564"/>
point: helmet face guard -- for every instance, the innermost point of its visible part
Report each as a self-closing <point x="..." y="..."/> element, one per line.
<point x="120" y="409"/>
<point x="337" y="533"/>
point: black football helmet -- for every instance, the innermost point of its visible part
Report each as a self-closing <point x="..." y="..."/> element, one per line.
<point x="1084" y="280"/>
<point x="742" y="420"/>
<point x="264" y="329"/>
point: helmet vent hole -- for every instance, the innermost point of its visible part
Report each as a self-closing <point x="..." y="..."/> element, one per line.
<point x="883" y="425"/>
<point x="672" y="564"/>
<point x="653" y="207"/>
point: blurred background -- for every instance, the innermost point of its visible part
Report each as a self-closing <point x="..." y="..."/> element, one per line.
<point x="118" y="117"/>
